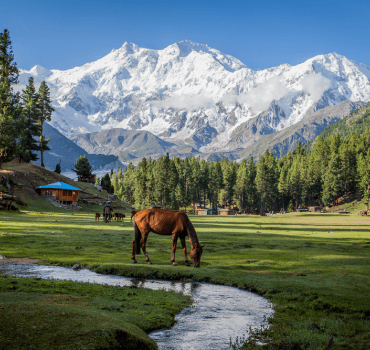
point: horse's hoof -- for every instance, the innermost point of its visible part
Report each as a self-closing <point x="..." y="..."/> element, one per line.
<point x="187" y="263"/>
<point x="150" y="263"/>
<point x="134" y="261"/>
<point x="174" y="263"/>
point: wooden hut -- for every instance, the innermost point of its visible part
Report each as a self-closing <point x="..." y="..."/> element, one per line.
<point x="226" y="211"/>
<point x="314" y="209"/>
<point x="59" y="191"/>
<point x="202" y="211"/>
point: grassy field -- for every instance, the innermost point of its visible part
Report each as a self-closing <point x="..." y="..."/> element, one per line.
<point x="313" y="267"/>
<point x="43" y="314"/>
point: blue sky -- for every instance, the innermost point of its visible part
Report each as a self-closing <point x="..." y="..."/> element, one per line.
<point x="262" y="34"/>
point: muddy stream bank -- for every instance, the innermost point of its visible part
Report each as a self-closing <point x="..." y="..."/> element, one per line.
<point x="218" y="312"/>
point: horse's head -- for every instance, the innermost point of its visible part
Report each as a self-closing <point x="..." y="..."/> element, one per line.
<point x="195" y="254"/>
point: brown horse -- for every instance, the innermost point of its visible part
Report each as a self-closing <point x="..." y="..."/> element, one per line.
<point x="97" y="216"/>
<point x="166" y="222"/>
<point x="120" y="216"/>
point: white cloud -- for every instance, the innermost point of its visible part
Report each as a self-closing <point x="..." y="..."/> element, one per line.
<point x="258" y="98"/>
<point x="261" y="96"/>
<point x="315" y="85"/>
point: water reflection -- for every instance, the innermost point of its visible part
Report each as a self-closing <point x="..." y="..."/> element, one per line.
<point x="217" y="314"/>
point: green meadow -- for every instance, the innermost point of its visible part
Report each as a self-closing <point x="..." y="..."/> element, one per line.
<point x="314" y="268"/>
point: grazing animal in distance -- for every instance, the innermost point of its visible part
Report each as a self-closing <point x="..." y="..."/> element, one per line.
<point x="97" y="216"/>
<point x="119" y="216"/>
<point x="166" y="222"/>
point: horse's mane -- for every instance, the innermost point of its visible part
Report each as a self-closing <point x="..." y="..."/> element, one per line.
<point x="190" y="228"/>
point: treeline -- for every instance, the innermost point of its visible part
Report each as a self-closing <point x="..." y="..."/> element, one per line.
<point x="22" y="115"/>
<point x="333" y="167"/>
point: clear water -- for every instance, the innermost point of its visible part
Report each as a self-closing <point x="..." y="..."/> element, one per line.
<point x="218" y="312"/>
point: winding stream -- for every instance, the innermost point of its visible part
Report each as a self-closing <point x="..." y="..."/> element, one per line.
<point x="218" y="312"/>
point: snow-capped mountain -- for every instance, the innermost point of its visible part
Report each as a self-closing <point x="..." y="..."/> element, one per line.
<point x="192" y="94"/>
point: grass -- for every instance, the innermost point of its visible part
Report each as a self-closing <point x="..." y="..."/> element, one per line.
<point x="43" y="314"/>
<point x="313" y="267"/>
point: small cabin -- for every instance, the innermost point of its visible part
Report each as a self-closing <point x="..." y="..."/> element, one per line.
<point x="226" y="212"/>
<point x="202" y="211"/>
<point x="314" y="209"/>
<point x="59" y="191"/>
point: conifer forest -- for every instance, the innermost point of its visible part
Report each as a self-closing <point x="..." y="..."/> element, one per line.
<point x="315" y="174"/>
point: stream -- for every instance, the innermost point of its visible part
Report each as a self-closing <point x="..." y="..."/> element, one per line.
<point x="218" y="312"/>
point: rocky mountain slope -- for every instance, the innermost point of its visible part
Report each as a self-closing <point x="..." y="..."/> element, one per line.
<point x="196" y="97"/>
<point x="284" y="141"/>
<point x="126" y="144"/>
<point x="66" y="151"/>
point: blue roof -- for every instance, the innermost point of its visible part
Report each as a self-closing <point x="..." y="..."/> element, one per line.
<point x="61" y="185"/>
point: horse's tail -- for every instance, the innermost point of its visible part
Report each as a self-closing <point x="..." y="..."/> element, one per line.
<point x="137" y="238"/>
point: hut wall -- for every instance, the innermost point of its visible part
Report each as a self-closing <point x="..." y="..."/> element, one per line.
<point x="202" y="211"/>
<point x="227" y="212"/>
<point x="61" y="195"/>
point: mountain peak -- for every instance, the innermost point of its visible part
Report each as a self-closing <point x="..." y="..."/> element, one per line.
<point x="129" y="47"/>
<point x="40" y="71"/>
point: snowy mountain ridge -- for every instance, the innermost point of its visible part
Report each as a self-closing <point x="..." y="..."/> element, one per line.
<point x="192" y="94"/>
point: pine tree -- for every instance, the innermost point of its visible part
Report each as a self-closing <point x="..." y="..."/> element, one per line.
<point x="30" y="124"/>
<point x="204" y="180"/>
<point x="9" y="100"/>
<point x="127" y="184"/>
<point x="45" y="115"/>
<point x="106" y="183"/>
<point x="215" y="182"/>
<point x="251" y="189"/>
<point x="58" y="168"/>
<point x="364" y="175"/>
<point x="283" y="186"/>
<point x="241" y="184"/>
<point x="141" y="176"/>
<point x="173" y="180"/>
<point x="272" y="180"/>
<point x="261" y="181"/>
<point x="82" y="166"/>
<point x="332" y="180"/>
<point x="295" y="180"/>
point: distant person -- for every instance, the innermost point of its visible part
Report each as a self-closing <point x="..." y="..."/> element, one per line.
<point x="107" y="212"/>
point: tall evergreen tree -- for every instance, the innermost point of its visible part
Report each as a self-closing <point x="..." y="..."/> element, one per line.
<point x="46" y="111"/>
<point x="261" y="181"/>
<point x="251" y="189"/>
<point x="241" y="184"/>
<point x="9" y="100"/>
<point x="364" y="175"/>
<point x="283" y="185"/>
<point x="31" y="129"/>
<point x="332" y="180"/>
<point x="82" y="166"/>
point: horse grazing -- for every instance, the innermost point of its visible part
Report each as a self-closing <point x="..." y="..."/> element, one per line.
<point x="166" y="222"/>
<point x="97" y="216"/>
<point x="119" y="216"/>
